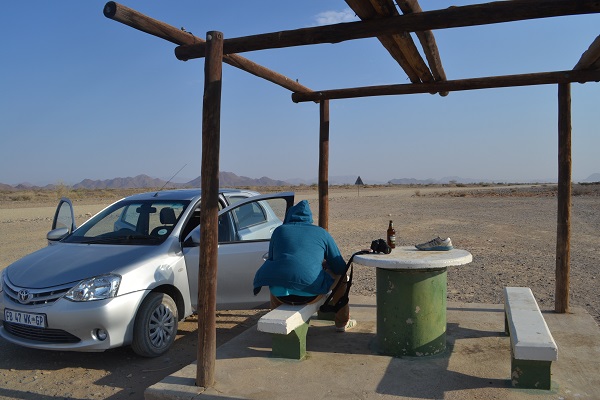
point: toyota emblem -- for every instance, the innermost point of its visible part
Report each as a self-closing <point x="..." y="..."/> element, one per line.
<point x="24" y="296"/>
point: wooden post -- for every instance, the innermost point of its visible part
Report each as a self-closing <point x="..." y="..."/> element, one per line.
<point x="563" y="230"/>
<point x="207" y="277"/>
<point x="324" y="164"/>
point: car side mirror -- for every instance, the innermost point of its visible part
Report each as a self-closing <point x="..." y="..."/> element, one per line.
<point x="57" y="234"/>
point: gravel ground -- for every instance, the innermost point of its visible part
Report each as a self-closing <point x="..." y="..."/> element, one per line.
<point x="510" y="230"/>
<point x="512" y="236"/>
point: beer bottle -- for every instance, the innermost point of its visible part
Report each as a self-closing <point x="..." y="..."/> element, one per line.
<point x="391" y="235"/>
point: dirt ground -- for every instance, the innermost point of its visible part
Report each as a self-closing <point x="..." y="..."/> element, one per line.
<point x="510" y="230"/>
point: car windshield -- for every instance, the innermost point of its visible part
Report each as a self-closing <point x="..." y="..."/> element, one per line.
<point x="127" y="222"/>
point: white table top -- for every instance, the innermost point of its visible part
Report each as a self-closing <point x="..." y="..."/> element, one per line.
<point x="408" y="257"/>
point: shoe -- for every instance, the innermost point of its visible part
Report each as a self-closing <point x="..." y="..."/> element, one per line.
<point x="437" y="244"/>
<point x="349" y="325"/>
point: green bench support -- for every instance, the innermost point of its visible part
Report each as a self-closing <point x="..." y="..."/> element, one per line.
<point x="288" y="326"/>
<point x="532" y="347"/>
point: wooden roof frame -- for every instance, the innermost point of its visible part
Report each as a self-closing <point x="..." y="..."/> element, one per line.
<point x="381" y="20"/>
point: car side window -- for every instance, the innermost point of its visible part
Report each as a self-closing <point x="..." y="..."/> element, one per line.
<point x="233" y="199"/>
<point x="194" y="223"/>
<point x="256" y="220"/>
<point x="249" y="215"/>
<point x="250" y="221"/>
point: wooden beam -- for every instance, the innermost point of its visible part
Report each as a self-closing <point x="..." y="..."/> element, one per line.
<point x="590" y="59"/>
<point x="427" y="41"/>
<point x="324" y="164"/>
<point x="542" y="78"/>
<point x="365" y="11"/>
<point x="209" y="214"/>
<point x="400" y="46"/>
<point x="454" y="17"/>
<point x="563" y="229"/>
<point x="141" y="22"/>
<point x="404" y="41"/>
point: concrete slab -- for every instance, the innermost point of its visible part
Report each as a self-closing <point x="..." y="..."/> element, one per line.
<point x="476" y="364"/>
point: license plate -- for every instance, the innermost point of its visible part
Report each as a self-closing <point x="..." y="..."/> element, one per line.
<point x="31" y="319"/>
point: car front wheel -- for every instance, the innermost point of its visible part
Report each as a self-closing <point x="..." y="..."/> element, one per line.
<point x="155" y="325"/>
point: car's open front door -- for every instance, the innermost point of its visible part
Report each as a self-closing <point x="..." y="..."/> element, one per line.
<point x="245" y="229"/>
<point x="63" y="222"/>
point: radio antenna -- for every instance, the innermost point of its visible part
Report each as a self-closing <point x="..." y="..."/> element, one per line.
<point x="167" y="182"/>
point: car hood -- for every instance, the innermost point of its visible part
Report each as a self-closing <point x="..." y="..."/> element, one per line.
<point x="69" y="263"/>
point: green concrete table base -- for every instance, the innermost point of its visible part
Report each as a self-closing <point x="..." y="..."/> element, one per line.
<point x="531" y="374"/>
<point x="411" y="312"/>
<point x="292" y="345"/>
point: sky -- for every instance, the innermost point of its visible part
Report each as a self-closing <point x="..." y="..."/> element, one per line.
<point x="85" y="97"/>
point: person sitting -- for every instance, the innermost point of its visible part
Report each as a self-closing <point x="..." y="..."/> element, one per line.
<point x="303" y="265"/>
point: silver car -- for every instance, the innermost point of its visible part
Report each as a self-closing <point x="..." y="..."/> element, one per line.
<point x="129" y="274"/>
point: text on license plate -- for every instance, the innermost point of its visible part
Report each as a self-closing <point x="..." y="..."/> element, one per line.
<point x="31" y="319"/>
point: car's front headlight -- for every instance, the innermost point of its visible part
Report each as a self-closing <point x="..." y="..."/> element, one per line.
<point x="97" y="288"/>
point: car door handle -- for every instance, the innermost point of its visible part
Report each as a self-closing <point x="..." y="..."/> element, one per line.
<point x="265" y="256"/>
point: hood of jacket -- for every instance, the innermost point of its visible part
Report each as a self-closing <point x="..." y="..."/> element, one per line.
<point x="299" y="213"/>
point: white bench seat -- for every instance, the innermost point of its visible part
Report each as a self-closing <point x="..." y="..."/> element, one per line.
<point x="289" y="325"/>
<point x="532" y="346"/>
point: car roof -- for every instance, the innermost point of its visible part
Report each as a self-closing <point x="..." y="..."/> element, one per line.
<point x="184" y="194"/>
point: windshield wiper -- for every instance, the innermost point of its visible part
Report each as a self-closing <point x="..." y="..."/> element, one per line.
<point x="127" y="239"/>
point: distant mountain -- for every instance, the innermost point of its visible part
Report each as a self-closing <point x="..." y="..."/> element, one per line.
<point x="412" y="181"/>
<point x="226" y="179"/>
<point x="350" y="180"/>
<point x="335" y="180"/>
<point x="443" y="181"/>
<point x="24" y="186"/>
<point x="592" y="178"/>
<point x="137" y="182"/>
<point x="229" y="179"/>
<point x="300" y="181"/>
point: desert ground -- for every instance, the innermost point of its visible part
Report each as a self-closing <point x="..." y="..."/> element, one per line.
<point x="510" y="231"/>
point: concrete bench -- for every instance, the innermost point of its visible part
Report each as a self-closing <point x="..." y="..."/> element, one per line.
<point x="288" y="325"/>
<point x="532" y="347"/>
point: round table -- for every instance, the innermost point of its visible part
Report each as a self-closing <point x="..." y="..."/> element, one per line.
<point x="411" y="298"/>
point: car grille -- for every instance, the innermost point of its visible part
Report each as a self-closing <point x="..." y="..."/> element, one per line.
<point x="33" y="297"/>
<point x="40" y="334"/>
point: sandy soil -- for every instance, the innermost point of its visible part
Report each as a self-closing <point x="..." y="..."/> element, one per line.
<point x="511" y="232"/>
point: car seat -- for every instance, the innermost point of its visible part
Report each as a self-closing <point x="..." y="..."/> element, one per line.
<point x="167" y="219"/>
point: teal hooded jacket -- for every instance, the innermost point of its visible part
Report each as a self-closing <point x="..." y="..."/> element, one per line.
<point x="296" y="254"/>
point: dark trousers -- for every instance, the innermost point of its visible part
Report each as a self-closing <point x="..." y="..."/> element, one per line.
<point x="341" y="316"/>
